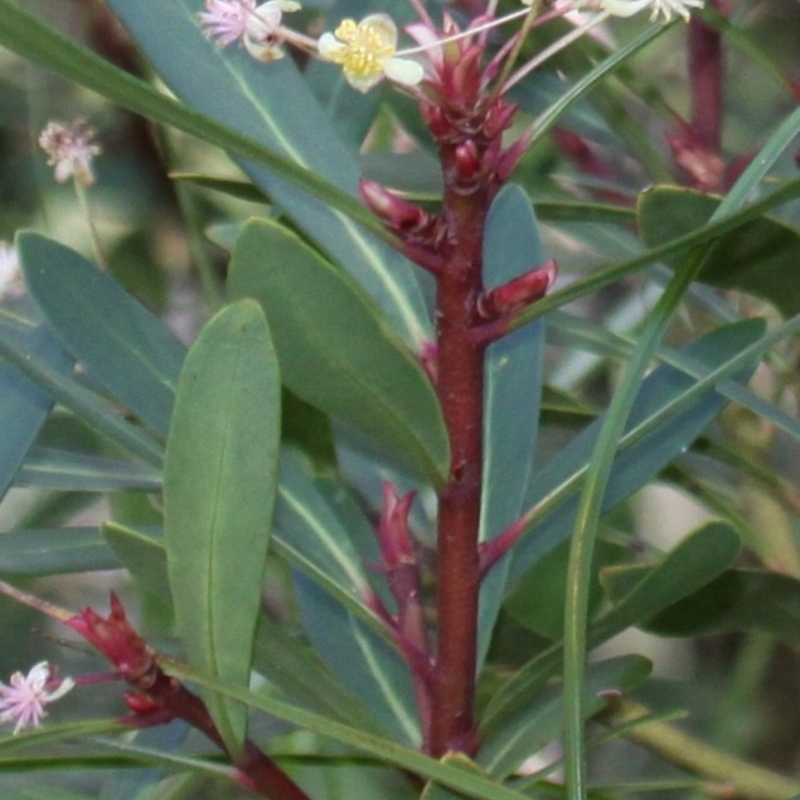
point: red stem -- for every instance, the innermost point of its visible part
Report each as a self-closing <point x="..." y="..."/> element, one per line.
<point x="706" y="79"/>
<point x="460" y="387"/>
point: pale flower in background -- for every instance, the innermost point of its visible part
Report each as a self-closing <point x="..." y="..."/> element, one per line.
<point x="24" y="699"/>
<point x="627" y="8"/>
<point x="71" y="150"/>
<point x="262" y="36"/>
<point x="258" y="27"/>
<point x="366" y="51"/>
<point x="11" y="284"/>
<point x="225" y="21"/>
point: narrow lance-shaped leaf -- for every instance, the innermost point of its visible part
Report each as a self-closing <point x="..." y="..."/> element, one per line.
<point x="24" y="406"/>
<point x="637" y="464"/>
<point x="122" y="345"/>
<point x="512" y="394"/>
<point x="219" y="487"/>
<point x="759" y="257"/>
<point x="336" y="349"/>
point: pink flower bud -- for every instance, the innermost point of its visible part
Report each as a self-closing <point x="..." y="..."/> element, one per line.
<point x="115" y="639"/>
<point x="498" y="118"/>
<point x="468" y="162"/>
<point x="399" y="214"/>
<point x="518" y="292"/>
<point x="397" y="546"/>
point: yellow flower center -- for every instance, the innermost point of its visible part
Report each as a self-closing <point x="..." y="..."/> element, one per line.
<point x="364" y="49"/>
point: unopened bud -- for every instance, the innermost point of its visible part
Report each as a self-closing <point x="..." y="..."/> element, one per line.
<point x="399" y="214"/>
<point x="518" y="292"/>
<point x="466" y="75"/>
<point x="498" y="118"/>
<point x="467" y="163"/>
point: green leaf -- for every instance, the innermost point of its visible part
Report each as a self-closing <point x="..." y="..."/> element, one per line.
<point x="272" y="104"/>
<point x="737" y="600"/>
<point x="434" y="791"/>
<point x="759" y="257"/>
<point x="388" y="751"/>
<point x="289" y="663"/>
<point x="640" y="462"/>
<point x="337" y="351"/>
<point x="512" y="393"/>
<point x="31" y="359"/>
<point x="366" y="664"/>
<point x="144" y="555"/>
<point x="77" y="472"/>
<point x="537" y="602"/>
<point x="59" y="551"/>
<point x="535" y="724"/>
<point x="24" y="406"/>
<point x="220" y="477"/>
<point x="696" y="561"/>
<point x="123" y="346"/>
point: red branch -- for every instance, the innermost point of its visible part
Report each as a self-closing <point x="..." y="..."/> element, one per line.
<point x="460" y="387"/>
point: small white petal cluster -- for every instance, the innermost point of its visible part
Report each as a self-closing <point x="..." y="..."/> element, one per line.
<point x="257" y="27"/>
<point x="24" y="698"/>
<point x="627" y="8"/>
<point x="11" y="284"/>
<point x="70" y="150"/>
<point x="667" y="8"/>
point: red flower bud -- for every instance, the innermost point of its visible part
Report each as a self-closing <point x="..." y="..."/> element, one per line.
<point x="468" y="164"/>
<point x="518" y="292"/>
<point x="397" y="546"/>
<point x="115" y="639"/>
<point x="399" y="214"/>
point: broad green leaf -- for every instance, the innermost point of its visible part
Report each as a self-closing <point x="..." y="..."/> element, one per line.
<point x="368" y="666"/>
<point x="272" y="104"/>
<point x="123" y="346"/>
<point x="605" y="276"/>
<point x="696" y="561"/>
<point x="638" y="463"/>
<point x="387" y="750"/>
<point x="144" y="555"/>
<point x="55" y="552"/>
<point x="32" y="360"/>
<point x="78" y="472"/>
<point x="24" y="406"/>
<point x="289" y="663"/>
<point x="537" y="602"/>
<point x="737" y="600"/>
<point x="759" y="257"/>
<point x="309" y="532"/>
<point x="337" y="351"/>
<point x="434" y="791"/>
<point x="512" y="393"/>
<point x="220" y="477"/>
<point x="535" y="724"/>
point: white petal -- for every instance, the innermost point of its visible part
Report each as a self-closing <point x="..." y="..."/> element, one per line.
<point x="625" y="8"/>
<point x="404" y="71"/>
<point x="329" y="46"/>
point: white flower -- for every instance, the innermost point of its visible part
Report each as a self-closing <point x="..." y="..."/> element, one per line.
<point x="10" y="274"/>
<point x="627" y="8"/>
<point x="258" y="27"/>
<point x="226" y="20"/>
<point x="366" y="52"/>
<point x="262" y="36"/>
<point x="26" y="696"/>
<point x="70" y="150"/>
